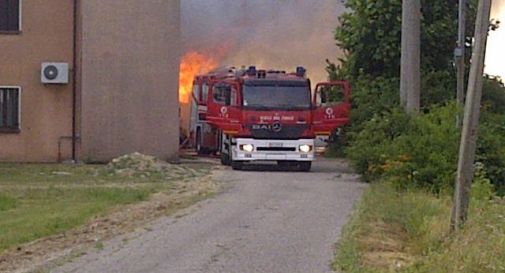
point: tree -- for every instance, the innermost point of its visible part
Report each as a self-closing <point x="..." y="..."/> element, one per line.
<point x="370" y="35"/>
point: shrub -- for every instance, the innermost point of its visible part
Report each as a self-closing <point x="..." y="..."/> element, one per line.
<point x="493" y="96"/>
<point x="373" y="145"/>
<point x="491" y="149"/>
<point x="482" y="189"/>
<point x="422" y="151"/>
<point x="412" y="151"/>
<point x="435" y="86"/>
<point x="371" y="97"/>
<point x="378" y="96"/>
<point x="428" y="151"/>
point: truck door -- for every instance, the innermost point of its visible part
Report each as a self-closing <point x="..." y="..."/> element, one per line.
<point x="332" y="106"/>
<point x="223" y="102"/>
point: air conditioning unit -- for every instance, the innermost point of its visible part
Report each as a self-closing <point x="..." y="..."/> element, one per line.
<point x="54" y="73"/>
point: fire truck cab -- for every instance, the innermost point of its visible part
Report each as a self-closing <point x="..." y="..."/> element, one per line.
<point x="250" y="115"/>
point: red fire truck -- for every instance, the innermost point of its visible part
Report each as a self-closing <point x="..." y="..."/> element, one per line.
<point x="251" y="115"/>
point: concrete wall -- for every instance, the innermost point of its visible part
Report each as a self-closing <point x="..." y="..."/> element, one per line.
<point x="129" y="78"/>
<point x="46" y="111"/>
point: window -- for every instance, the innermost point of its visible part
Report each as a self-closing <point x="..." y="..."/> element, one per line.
<point x="276" y="95"/>
<point x="10" y="16"/>
<point x="330" y="95"/>
<point x="222" y="94"/>
<point x="225" y="94"/>
<point x="9" y="109"/>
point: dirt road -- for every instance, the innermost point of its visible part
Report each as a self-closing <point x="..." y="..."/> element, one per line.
<point x="265" y="221"/>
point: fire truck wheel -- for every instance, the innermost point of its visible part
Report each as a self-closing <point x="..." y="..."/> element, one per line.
<point x="305" y="166"/>
<point x="237" y="165"/>
<point x="225" y="159"/>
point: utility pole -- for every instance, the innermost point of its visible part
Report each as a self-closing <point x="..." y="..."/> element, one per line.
<point x="459" y="53"/>
<point x="410" y="74"/>
<point x="466" y="160"/>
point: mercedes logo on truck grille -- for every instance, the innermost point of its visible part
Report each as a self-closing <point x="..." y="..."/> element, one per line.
<point x="276" y="127"/>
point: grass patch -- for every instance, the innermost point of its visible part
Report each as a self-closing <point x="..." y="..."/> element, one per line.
<point x="407" y="232"/>
<point x="7" y="202"/>
<point x="42" y="200"/>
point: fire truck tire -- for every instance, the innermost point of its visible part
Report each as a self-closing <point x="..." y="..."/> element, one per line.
<point x="305" y="166"/>
<point x="237" y="165"/>
<point x="225" y="159"/>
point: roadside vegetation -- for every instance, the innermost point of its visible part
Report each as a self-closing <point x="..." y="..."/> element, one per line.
<point x="37" y="201"/>
<point x="408" y="231"/>
<point x="402" y="224"/>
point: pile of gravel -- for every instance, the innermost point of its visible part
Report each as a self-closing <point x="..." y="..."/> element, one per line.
<point x="144" y="166"/>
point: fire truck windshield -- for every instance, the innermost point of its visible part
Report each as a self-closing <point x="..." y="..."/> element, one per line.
<point x="275" y="95"/>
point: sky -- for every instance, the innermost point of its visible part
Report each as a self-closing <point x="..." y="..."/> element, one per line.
<point x="495" y="55"/>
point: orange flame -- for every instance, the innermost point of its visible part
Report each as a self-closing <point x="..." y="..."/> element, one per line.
<point x="192" y="64"/>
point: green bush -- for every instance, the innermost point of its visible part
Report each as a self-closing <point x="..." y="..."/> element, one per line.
<point x="372" y="97"/>
<point x="373" y="145"/>
<point x="491" y="149"/>
<point x="493" y="96"/>
<point x="429" y="150"/>
<point x="435" y="86"/>
<point x="482" y="189"/>
<point x="378" y="96"/>
<point x="421" y="151"/>
<point x="412" y="151"/>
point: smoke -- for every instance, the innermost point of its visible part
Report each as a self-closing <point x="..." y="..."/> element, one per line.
<point x="271" y="34"/>
<point x="495" y="56"/>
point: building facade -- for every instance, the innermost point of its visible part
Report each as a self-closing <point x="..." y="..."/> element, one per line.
<point x="121" y="94"/>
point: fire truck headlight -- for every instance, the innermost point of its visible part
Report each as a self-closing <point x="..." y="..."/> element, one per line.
<point x="247" y="147"/>
<point x="305" y="148"/>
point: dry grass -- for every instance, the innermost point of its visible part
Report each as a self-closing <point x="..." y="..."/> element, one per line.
<point x="385" y="247"/>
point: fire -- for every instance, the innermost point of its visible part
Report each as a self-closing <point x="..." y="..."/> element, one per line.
<point x="192" y="64"/>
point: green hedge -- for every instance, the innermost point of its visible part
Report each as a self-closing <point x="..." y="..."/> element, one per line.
<point x="421" y="151"/>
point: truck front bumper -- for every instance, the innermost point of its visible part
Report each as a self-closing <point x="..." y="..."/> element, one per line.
<point x="272" y="150"/>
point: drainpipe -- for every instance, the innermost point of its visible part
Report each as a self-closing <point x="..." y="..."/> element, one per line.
<point x="74" y="84"/>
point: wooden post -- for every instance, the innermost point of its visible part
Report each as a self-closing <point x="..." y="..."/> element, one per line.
<point x="459" y="54"/>
<point x="465" y="172"/>
<point x="410" y="75"/>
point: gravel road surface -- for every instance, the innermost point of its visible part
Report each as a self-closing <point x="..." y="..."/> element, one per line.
<point x="265" y="221"/>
